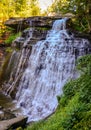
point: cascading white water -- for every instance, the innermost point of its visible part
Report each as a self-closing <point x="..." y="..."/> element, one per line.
<point x="50" y="66"/>
<point x="17" y="64"/>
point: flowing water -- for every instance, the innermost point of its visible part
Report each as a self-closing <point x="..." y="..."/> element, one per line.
<point x="51" y="64"/>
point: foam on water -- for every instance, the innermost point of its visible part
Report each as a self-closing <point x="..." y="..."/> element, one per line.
<point x="51" y="64"/>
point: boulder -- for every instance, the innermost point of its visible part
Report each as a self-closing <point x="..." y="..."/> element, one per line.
<point x="13" y="123"/>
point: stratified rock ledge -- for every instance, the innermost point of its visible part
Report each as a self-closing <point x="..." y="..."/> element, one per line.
<point x="36" y="21"/>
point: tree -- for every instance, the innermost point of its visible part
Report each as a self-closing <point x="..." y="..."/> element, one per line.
<point x="23" y="8"/>
<point x="33" y="7"/>
<point x="80" y="8"/>
<point x="59" y="6"/>
<point x="17" y="8"/>
<point x="7" y="8"/>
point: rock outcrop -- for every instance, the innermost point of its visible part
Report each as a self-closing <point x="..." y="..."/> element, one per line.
<point x="5" y="115"/>
<point x="23" y="23"/>
<point x="37" y="21"/>
<point x="13" y="123"/>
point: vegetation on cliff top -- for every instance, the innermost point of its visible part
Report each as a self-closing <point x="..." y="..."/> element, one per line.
<point x="17" y="8"/>
<point x="26" y="8"/>
<point x="81" y="10"/>
<point x="74" y="110"/>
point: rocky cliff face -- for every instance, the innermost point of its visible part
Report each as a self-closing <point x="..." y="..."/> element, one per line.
<point x="45" y="62"/>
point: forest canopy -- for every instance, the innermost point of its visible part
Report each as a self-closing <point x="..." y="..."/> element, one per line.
<point x="18" y="8"/>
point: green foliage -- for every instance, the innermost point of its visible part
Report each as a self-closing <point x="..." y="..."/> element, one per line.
<point x="81" y="9"/>
<point x="74" y="109"/>
<point x="84" y="64"/>
<point x="17" y="8"/>
<point x="74" y="112"/>
<point x="20" y="8"/>
<point x="11" y="38"/>
<point x="19" y="128"/>
<point x="8" y="49"/>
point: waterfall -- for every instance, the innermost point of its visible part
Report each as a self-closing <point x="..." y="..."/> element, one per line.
<point x="50" y="65"/>
<point x="17" y="65"/>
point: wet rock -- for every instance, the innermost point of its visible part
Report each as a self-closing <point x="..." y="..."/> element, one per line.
<point x="31" y="36"/>
<point x="6" y="114"/>
<point x="37" y="33"/>
<point x="25" y="33"/>
<point x="18" y="42"/>
<point x="83" y="35"/>
<point x="13" y="123"/>
<point x="40" y="33"/>
<point x="33" y="40"/>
